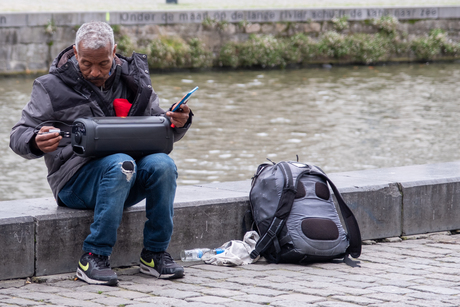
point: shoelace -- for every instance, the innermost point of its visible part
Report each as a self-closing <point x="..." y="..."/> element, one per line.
<point x="100" y="261"/>
<point x="167" y="256"/>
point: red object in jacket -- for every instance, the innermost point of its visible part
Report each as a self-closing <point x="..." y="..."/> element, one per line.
<point x="121" y="106"/>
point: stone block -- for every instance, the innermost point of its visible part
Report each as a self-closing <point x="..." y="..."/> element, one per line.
<point x="130" y="237"/>
<point x="208" y="216"/>
<point x="267" y="28"/>
<point x="449" y="12"/>
<point x="430" y="194"/>
<point x="375" y="201"/>
<point x="39" y="19"/>
<point x="17" y="242"/>
<point x="280" y="27"/>
<point x="59" y="240"/>
<point x="64" y="232"/>
<point x="28" y="35"/>
<point x="13" y="19"/>
<point x="252" y="28"/>
<point x="230" y="29"/>
<point x="431" y="206"/>
<point x="83" y="17"/>
<point x="312" y="27"/>
<point x="9" y="36"/>
<point x="377" y="210"/>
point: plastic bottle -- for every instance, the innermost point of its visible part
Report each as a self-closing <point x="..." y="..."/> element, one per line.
<point x="197" y="253"/>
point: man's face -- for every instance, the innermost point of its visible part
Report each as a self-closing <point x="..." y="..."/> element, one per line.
<point x="95" y="64"/>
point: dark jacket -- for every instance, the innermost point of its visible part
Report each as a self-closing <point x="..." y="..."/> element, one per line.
<point x="63" y="95"/>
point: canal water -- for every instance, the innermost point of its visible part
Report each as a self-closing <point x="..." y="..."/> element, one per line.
<point x="341" y="119"/>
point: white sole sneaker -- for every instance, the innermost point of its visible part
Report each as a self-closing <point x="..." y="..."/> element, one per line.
<point x="81" y="275"/>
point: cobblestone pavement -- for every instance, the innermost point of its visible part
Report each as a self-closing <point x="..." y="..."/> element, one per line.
<point x="420" y="271"/>
<point x="132" y="5"/>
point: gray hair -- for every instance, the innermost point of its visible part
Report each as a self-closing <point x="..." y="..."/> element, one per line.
<point x="95" y="35"/>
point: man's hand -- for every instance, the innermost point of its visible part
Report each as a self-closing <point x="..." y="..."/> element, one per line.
<point x="45" y="141"/>
<point x="180" y="117"/>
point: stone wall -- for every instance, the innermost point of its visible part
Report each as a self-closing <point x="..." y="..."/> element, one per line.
<point x="29" y="41"/>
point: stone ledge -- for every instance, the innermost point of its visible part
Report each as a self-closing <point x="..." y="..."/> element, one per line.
<point x="34" y="19"/>
<point x="39" y="238"/>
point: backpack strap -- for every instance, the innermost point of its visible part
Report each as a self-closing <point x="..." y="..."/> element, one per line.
<point x="350" y="221"/>
<point x="281" y="214"/>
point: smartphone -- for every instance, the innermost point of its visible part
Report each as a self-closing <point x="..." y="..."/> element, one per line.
<point x="184" y="99"/>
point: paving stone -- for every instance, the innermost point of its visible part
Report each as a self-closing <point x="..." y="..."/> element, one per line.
<point x="22" y="302"/>
<point x="227" y="285"/>
<point x="111" y="301"/>
<point x="390" y="289"/>
<point x="253" y="298"/>
<point x="159" y="301"/>
<point x="360" y="300"/>
<point x="336" y="304"/>
<point x="173" y="293"/>
<point x="438" y="290"/>
<point x="246" y="304"/>
<point x="330" y="291"/>
<point x="209" y="274"/>
<point x="263" y="291"/>
<point x="299" y="298"/>
<point x="74" y="302"/>
<point x="224" y="292"/>
<point x="96" y="288"/>
<point x="81" y="295"/>
<point x="356" y="284"/>
<point x="387" y="297"/>
<point x="128" y="294"/>
<point x="210" y="299"/>
<point x="391" y="304"/>
<point x="139" y="288"/>
<point x="424" y="303"/>
<point x="290" y="304"/>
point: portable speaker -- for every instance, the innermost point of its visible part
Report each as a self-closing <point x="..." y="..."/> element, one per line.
<point x="135" y="136"/>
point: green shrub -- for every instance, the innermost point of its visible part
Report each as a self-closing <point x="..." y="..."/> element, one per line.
<point x="168" y="52"/>
<point x="340" y="24"/>
<point x="386" y="24"/>
<point x="334" y="45"/>
<point x="199" y="56"/>
<point x="228" y="55"/>
<point x="367" y="48"/>
<point x="125" y="46"/>
<point x="300" y="48"/>
<point x="265" y="51"/>
<point x="436" y="44"/>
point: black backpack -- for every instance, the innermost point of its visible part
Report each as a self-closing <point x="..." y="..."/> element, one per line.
<point x="295" y="216"/>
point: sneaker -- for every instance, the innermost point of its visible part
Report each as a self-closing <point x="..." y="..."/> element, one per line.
<point x="160" y="265"/>
<point x="95" y="269"/>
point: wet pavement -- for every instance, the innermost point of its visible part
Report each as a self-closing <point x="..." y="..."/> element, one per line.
<point x="418" y="271"/>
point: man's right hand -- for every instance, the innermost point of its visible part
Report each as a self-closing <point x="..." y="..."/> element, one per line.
<point x="47" y="142"/>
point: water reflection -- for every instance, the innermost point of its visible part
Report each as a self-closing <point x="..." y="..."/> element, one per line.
<point x="342" y="119"/>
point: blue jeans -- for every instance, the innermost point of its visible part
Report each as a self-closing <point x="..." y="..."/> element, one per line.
<point x="108" y="185"/>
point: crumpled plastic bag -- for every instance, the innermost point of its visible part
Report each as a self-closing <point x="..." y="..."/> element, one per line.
<point x="235" y="252"/>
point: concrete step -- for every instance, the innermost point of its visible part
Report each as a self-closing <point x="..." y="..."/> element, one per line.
<point x="39" y="238"/>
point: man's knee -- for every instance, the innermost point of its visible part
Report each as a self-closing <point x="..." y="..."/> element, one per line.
<point x="123" y="165"/>
<point x="161" y="164"/>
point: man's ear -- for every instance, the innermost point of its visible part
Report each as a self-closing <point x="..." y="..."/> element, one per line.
<point x="114" y="50"/>
<point x="75" y="51"/>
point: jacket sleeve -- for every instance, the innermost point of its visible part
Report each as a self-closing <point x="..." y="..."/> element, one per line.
<point x="34" y="115"/>
<point x="155" y="110"/>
